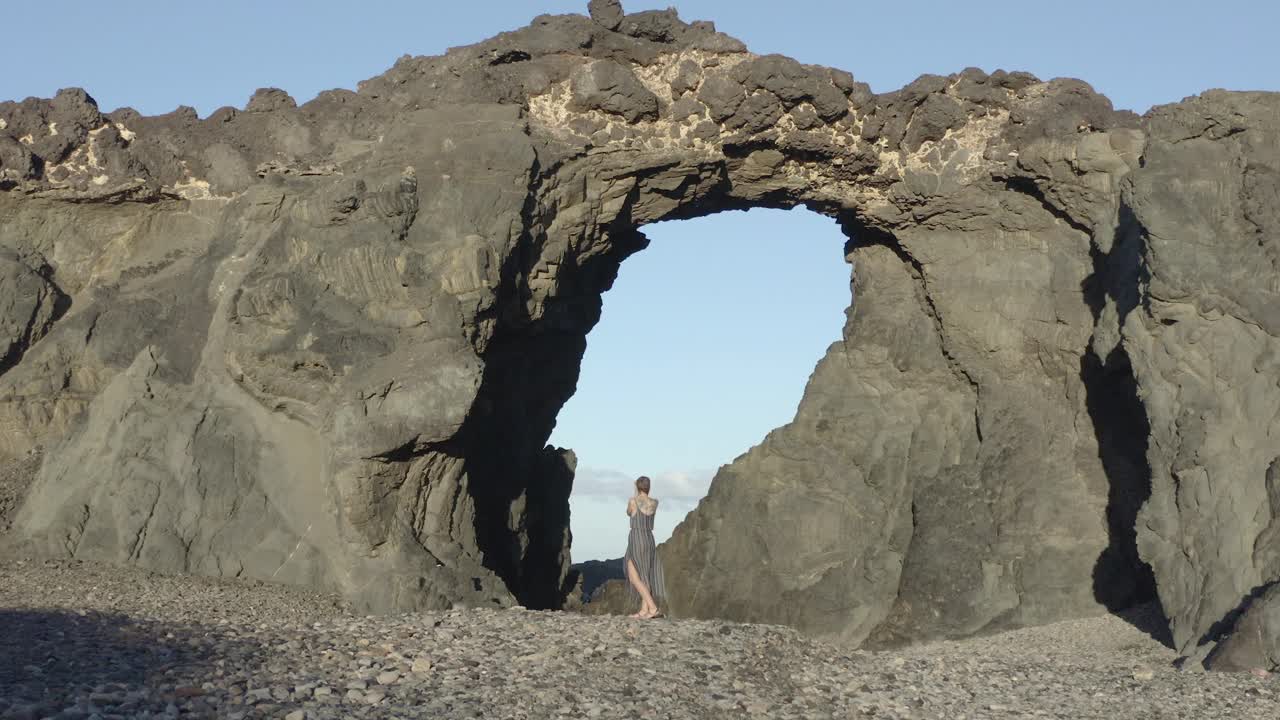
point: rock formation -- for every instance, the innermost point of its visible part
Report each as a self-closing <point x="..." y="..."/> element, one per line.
<point x="1206" y="328"/>
<point x="325" y="344"/>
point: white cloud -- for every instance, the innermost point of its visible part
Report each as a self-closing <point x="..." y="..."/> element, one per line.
<point x="599" y="500"/>
<point x="602" y="482"/>
<point x="682" y="485"/>
<point x="687" y="485"/>
<point x="600" y="525"/>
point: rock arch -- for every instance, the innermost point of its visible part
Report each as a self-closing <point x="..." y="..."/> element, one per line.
<point x="325" y="344"/>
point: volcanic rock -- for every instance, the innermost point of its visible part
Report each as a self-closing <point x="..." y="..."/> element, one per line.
<point x="326" y="344"/>
<point x="606" y="12"/>
<point x="1204" y="336"/>
<point x="609" y="87"/>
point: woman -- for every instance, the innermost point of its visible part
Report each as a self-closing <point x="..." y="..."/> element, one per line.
<point x="644" y="570"/>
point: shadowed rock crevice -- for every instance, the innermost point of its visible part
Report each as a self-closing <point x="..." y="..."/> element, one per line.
<point x="1224" y="627"/>
<point x="1121" y="578"/>
<point x="519" y="485"/>
<point x="1248" y="636"/>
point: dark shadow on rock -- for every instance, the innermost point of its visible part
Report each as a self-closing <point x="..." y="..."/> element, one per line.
<point x="547" y="526"/>
<point x="50" y="659"/>
<point x="520" y="485"/>
<point x="1227" y="624"/>
<point x="1121" y="579"/>
<point x="1247" y="638"/>
<point x="1149" y="618"/>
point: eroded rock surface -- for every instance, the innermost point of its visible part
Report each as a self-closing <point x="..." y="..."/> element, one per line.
<point x="325" y="344"/>
<point x="1206" y="342"/>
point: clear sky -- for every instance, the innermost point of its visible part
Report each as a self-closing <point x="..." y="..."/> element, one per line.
<point x="704" y="345"/>
<point x="709" y="335"/>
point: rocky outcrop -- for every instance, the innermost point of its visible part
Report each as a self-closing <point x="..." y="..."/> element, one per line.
<point x="325" y="344"/>
<point x="1205" y="337"/>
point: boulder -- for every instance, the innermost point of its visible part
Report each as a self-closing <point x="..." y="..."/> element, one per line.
<point x="608" y="13"/>
<point x="611" y="88"/>
<point x="1254" y="641"/>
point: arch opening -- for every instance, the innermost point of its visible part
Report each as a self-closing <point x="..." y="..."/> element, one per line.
<point x="930" y="407"/>
<point x="947" y="469"/>
<point x="705" y="345"/>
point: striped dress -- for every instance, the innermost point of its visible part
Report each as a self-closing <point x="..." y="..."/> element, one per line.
<point x="642" y="551"/>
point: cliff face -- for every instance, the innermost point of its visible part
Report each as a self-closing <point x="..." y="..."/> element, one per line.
<point x="1207" y="331"/>
<point x="326" y="344"/>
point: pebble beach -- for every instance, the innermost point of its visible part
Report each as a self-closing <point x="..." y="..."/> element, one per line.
<point x="84" y="641"/>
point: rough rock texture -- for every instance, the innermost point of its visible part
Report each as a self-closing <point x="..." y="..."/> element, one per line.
<point x="325" y="344"/>
<point x="606" y="12"/>
<point x="15" y="479"/>
<point x="1254" y="641"/>
<point x="1205" y="337"/>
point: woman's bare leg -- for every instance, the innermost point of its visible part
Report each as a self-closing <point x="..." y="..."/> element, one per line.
<point x="648" y="607"/>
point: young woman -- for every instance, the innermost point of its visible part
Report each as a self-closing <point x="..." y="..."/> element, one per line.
<point x="644" y="570"/>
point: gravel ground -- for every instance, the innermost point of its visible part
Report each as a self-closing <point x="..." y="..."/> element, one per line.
<point x="90" y="641"/>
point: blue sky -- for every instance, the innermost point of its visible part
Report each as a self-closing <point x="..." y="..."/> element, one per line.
<point x="157" y="54"/>
<point x="709" y="335"/>
<point x="704" y="345"/>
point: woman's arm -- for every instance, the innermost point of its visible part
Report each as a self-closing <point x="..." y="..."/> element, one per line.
<point x="631" y="507"/>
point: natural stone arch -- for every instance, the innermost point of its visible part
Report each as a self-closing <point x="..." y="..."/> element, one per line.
<point x="324" y="344"/>
<point x="696" y="132"/>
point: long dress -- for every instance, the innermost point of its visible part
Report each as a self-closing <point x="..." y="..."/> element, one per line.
<point x="643" y="553"/>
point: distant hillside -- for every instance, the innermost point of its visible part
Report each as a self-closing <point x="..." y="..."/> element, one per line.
<point x="598" y="572"/>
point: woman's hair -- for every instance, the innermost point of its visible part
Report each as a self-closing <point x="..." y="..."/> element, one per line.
<point x="642" y="484"/>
